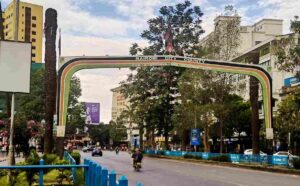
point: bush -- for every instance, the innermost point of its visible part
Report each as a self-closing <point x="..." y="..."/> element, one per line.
<point x="3" y="172"/>
<point x="296" y="163"/>
<point x="50" y="159"/>
<point x="188" y="156"/>
<point x="76" y="157"/>
<point x="198" y="157"/>
<point x="222" y="158"/>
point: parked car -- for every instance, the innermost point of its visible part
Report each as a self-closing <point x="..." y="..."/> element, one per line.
<point x="97" y="152"/>
<point x="88" y="148"/>
<point x="290" y="156"/>
<point x="250" y="152"/>
<point x="282" y="153"/>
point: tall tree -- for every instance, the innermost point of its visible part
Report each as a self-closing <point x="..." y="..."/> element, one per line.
<point x="222" y="44"/>
<point x="288" y="120"/>
<point x="50" y="29"/>
<point x="175" y="31"/>
<point x="287" y="49"/>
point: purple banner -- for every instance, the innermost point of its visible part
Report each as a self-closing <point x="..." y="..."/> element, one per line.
<point x="92" y="113"/>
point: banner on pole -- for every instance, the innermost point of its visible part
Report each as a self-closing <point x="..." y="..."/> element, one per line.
<point x="195" y="137"/>
<point x="92" y="113"/>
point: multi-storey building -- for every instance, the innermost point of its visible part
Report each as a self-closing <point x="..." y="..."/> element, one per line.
<point x="282" y="82"/>
<point x="119" y="104"/>
<point x="24" y="22"/>
<point x="250" y="35"/>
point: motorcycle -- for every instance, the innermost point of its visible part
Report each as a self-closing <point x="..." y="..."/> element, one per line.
<point x="137" y="166"/>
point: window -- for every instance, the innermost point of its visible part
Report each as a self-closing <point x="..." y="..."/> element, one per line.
<point x="33" y="40"/>
<point x="33" y="25"/>
<point x="22" y="15"/>
<point x="257" y="42"/>
<point x="33" y="32"/>
<point x="33" y="47"/>
<point x="33" y="17"/>
<point x="32" y="55"/>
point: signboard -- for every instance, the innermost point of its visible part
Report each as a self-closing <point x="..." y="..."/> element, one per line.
<point x="15" y="65"/>
<point x="290" y="81"/>
<point x="92" y="113"/>
<point x="195" y="136"/>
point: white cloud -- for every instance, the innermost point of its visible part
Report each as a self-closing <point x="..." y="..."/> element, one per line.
<point x="96" y="46"/>
<point x="72" y="19"/>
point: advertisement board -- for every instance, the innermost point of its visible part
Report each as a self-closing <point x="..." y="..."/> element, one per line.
<point x="92" y="113"/>
<point x="195" y="137"/>
<point x="15" y="65"/>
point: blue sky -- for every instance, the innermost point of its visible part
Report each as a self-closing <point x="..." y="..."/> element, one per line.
<point x="101" y="27"/>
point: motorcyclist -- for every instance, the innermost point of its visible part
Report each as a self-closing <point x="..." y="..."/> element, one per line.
<point x="137" y="156"/>
<point x="117" y="150"/>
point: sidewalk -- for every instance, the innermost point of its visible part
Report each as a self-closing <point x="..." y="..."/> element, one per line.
<point x="259" y="167"/>
<point x="4" y="161"/>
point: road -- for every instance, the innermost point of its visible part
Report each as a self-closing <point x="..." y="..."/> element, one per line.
<point x="164" y="172"/>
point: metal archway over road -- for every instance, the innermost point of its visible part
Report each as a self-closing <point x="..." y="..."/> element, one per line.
<point x="70" y="65"/>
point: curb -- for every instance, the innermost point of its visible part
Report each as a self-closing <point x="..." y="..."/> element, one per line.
<point x="229" y="164"/>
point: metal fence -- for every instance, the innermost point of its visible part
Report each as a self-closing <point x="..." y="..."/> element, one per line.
<point x="234" y="158"/>
<point x="94" y="173"/>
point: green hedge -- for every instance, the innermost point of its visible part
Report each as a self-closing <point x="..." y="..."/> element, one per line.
<point x="296" y="163"/>
<point x="76" y="157"/>
<point x="190" y="156"/>
<point x="221" y="158"/>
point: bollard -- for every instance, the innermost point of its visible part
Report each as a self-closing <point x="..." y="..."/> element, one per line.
<point x="123" y="181"/>
<point x="98" y="175"/>
<point x="112" y="178"/>
<point x="104" y="175"/>
<point x="41" y="176"/>
<point x="86" y="172"/>
<point x="91" y="173"/>
<point x="138" y="184"/>
<point x="94" y="177"/>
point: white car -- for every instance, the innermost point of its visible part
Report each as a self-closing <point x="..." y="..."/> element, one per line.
<point x="282" y="153"/>
<point x="250" y="152"/>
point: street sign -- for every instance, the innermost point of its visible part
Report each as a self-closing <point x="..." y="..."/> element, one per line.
<point x="195" y="137"/>
<point x="15" y="65"/>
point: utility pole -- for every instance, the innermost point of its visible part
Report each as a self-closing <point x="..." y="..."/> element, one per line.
<point x="11" y="155"/>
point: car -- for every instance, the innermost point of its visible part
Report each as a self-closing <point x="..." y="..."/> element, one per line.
<point x="88" y="148"/>
<point x="97" y="152"/>
<point x="250" y="152"/>
<point x="282" y="153"/>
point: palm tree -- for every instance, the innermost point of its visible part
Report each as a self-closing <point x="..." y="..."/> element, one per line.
<point x="50" y="29"/>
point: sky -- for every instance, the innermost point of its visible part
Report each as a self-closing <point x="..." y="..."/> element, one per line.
<point x="108" y="27"/>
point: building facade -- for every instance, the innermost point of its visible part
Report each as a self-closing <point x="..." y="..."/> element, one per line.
<point x="24" y="22"/>
<point x="250" y="35"/>
<point x="282" y="82"/>
<point x="120" y="104"/>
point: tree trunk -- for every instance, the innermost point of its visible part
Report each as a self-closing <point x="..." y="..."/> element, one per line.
<point x="254" y="86"/>
<point x="205" y="139"/>
<point x="221" y="135"/>
<point x="60" y="146"/>
<point x="141" y="133"/>
<point x="50" y="76"/>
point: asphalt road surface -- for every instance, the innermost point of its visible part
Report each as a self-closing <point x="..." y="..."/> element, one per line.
<point x="163" y="172"/>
